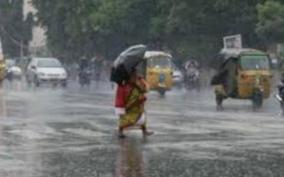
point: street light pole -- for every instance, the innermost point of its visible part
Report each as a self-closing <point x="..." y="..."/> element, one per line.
<point x="22" y="49"/>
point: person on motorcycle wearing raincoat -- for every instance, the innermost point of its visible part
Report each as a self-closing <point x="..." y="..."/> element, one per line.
<point x="83" y="64"/>
<point x="281" y="86"/>
<point x="84" y="72"/>
<point x="280" y="94"/>
<point x="191" y="69"/>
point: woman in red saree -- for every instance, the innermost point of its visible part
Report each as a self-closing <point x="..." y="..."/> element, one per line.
<point x="130" y="104"/>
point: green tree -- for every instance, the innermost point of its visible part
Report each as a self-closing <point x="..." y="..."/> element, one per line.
<point x="85" y="28"/>
<point x="185" y="27"/>
<point x="270" y="26"/>
<point x="69" y="34"/>
<point x="15" y="31"/>
<point x="196" y="27"/>
<point x="121" y="23"/>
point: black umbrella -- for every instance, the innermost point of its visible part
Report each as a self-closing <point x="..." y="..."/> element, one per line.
<point x="131" y="57"/>
<point x="126" y="62"/>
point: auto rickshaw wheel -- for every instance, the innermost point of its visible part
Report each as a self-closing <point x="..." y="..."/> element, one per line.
<point x="64" y="84"/>
<point x="162" y="93"/>
<point x="282" y="108"/>
<point x="219" y="102"/>
<point x="257" y="100"/>
<point x="54" y="85"/>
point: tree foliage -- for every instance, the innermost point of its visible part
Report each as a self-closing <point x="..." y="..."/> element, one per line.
<point x="271" y="21"/>
<point x="120" y="23"/>
<point x="201" y="24"/>
<point x="15" y="31"/>
<point x="187" y="28"/>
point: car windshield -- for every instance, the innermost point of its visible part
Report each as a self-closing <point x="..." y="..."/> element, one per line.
<point x="252" y="62"/>
<point x="160" y="62"/>
<point x="49" y="63"/>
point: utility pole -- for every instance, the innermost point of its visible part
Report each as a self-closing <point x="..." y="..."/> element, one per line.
<point x="22" y="49"/>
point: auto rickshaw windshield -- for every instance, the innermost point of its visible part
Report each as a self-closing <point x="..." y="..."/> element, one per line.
<point x="160" y="62"/>
<point x="252" y="62"/>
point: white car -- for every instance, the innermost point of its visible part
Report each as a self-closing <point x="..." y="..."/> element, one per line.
<point x="46" y="70"/>
<point x="12" y="70"/>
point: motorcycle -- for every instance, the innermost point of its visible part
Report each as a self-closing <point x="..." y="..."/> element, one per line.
<point x="85" y="77"/>
<point x="192" y="80"/>
<point x="280" y="97"/>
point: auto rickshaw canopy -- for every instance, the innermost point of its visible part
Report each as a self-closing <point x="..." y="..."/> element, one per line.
<point x="235" y="53"/>
<point x="152" y="54"/>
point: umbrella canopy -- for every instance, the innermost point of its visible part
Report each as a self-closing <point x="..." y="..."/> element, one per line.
<point x="131" y="57"/>
<point x="126" y="62"/>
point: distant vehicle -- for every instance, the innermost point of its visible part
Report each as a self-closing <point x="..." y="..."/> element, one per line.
<point x="85" y="77"/>
<point x="192" y="79"/>
<point x="12" y="70"/>
<point x="23" y="63"/>
<point x="192" y="75"/>
<point x="159" y="72"/>
<point x="280" y="97"/>
<point x="2" y="64"/>
<point x="244" y="74"/>
<point x="177" y="76"/>
<point x="46" y="70"/>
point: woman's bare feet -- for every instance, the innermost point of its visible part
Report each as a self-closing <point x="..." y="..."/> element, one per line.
<point x="121" y="134"/>
<point x="145" y="131"/>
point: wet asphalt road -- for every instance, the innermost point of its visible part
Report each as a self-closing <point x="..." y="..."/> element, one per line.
<point x="72" y="133"/>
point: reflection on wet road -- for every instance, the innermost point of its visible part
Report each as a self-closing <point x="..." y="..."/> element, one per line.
<point x="72" y="133"/>
<point x="130" y="161"/>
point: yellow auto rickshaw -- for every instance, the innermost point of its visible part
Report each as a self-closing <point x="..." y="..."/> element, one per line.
<point x="244" y="74"/>
<point x="2" y="67"/>
<point x="2" y="70"/>
<point x="159" y="71"/>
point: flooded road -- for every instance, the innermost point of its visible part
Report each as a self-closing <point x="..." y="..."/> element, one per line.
<point x="70" y="133"/>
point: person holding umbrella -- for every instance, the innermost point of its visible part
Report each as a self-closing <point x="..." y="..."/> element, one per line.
<point x="131" y="91"/>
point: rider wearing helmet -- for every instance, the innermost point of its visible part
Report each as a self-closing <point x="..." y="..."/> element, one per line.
<point x="83" y="64"/>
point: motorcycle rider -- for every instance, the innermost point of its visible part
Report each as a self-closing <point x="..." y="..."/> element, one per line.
<point x="192" y="74"/>
<point x="83" y="64"/>
<point x="281" y="86"/>
<point x="98" y="68"/>
<point x="280" y="95"/>
<point x="84" y="75"/>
